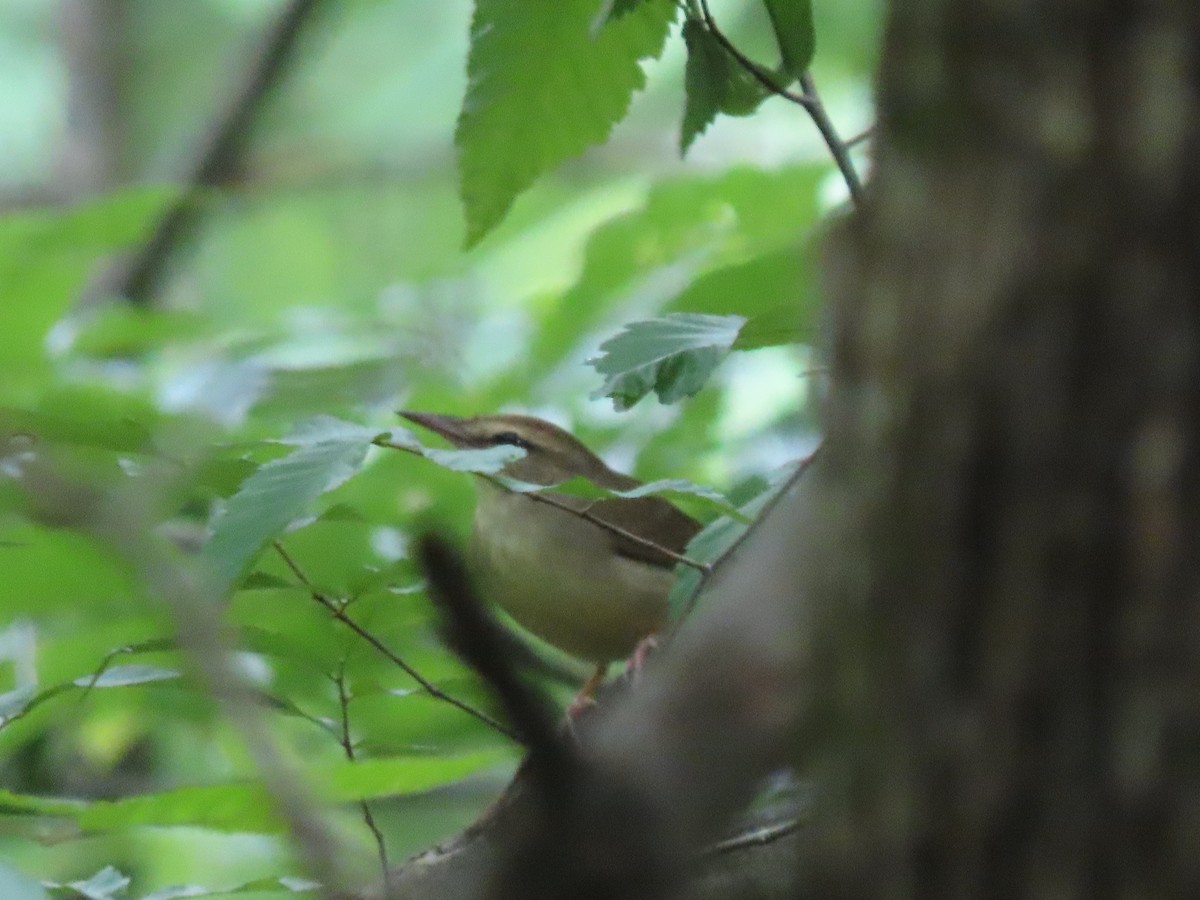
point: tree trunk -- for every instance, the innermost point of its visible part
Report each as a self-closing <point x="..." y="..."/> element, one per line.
<point x="1016" y="364"/>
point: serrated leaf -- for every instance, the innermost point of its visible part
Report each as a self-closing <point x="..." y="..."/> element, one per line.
<point x="541" y="90"/>
<point x="714" y="83"/>
<point x="792" y="21"/>
<point x="127" y="675"/>
<point x="328" y="452"/>
<point x="610" y="11"/>
<point x="672" y="356"/>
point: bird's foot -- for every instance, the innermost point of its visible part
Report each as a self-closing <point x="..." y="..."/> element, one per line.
<point x="637" y="659"/>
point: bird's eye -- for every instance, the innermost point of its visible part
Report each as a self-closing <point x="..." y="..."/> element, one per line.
<point x="510" y="437"/>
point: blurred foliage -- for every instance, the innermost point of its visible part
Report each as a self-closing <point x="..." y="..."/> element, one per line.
<point x="327" y="288"/>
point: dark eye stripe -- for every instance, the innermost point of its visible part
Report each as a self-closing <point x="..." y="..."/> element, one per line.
<point x="510" y="437"/>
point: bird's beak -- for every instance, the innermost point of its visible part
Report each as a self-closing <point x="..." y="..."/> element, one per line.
<point x="449" y="427"/>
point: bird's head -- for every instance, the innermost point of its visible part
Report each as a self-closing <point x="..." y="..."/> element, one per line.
<point x="552" y="454"/>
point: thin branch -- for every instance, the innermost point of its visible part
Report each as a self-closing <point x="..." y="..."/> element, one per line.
<point x="756" y="837"/>
<point x="340" y="614"/>
<point x="585" y="514"/>
<point x="757" y="72"/>
<point x="863" y="135"/>
<point x="809" y="99"/>
<point x="347" y="743"/>
<point x="837" y="147"/>
<point x="139" y="277"/>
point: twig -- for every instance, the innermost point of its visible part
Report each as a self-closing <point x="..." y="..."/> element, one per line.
<point x="752" y="68"/>
<point x="340" y="614"/>
<point x="139" y="277"/>
<point x="339" y="681"/>
<point x="756" y="837"/>
<point x="840" y="150"/>
<point x="809" y="99"/>
<point x="585" y="514"/>
<point x="863" y="135"/>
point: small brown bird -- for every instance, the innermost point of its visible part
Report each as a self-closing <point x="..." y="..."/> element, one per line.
<point x="590" y="591"/>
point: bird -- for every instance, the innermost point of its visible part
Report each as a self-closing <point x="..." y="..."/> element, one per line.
<point x="594" y="591"/>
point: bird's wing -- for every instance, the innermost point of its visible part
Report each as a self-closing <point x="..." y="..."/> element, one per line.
<point x="651" y="518"/>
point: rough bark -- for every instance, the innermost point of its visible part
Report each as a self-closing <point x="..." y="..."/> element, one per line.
<point x="1017" y="371"/>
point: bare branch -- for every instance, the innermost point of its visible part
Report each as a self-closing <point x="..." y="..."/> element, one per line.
<point x="339" y="681"/>
<point x="430" y="688"/>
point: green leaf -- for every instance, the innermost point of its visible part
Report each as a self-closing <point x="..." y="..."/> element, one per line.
<point x="771" y="329"/>
<point x="672" y="356"/>
<point x="541" y="90"/>
<point x="124" y="676"/>
<point x="610" y="11"/>
<point x="328" y="452"/>
<point x="45" y="257"/>
<point x="106" y="883"/>
<point x="792" y="21"/>
<point x="122" y="329"/>
<point x="715" y="82"/>
<point x="774" y="290"/>
<point x="685" y="226"/>
<point x="16" y="886"/>
<point x="246" y="806"/>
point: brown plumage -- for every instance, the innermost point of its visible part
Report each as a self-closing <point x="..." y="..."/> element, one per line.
<point x="589" y="591"/>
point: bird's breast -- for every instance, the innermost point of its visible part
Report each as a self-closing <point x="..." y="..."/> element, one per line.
<point x="557" y="575"/>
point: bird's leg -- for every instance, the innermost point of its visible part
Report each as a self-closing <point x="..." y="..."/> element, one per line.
<point x="637" y="659"/>
<point x="584" y="698"/>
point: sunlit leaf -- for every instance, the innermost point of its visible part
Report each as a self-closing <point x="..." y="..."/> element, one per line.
<point x="105" y="884"/>
<point x="542" y="89"/>
<point x="720" y="245"/>
<point x="327" y="453"/>
<point x="672" y="356"/>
